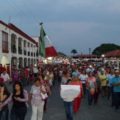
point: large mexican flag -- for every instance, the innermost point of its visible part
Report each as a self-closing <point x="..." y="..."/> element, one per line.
<point x="46" y="49"/>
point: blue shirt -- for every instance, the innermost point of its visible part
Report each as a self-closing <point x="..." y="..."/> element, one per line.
<point x="116" y="80"/>
<point x="109" y="78"/>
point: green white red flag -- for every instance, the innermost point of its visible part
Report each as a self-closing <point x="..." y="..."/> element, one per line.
<point x="46" y="49"/>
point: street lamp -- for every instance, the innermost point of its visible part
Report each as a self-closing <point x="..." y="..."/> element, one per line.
<point x="103" y="58"/>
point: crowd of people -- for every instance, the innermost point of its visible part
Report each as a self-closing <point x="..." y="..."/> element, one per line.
<point x="15" y="103"/>
<point x="95" y="82"/>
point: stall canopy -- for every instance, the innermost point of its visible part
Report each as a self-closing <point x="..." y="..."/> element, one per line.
<point x="115" y="53"/>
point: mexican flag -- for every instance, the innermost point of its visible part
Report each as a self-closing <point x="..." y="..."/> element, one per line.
<point x="46" y="49"/>
<point x="42" y="42"/>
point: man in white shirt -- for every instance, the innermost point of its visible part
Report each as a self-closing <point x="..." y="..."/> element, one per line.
<point x="5" y="76"/>
<point x="83" y="77"/>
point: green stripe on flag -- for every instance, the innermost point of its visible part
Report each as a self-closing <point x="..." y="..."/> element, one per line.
<point x="42" y="42"/>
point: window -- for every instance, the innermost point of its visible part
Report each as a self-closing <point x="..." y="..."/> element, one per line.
<point x="20" y="45"/>
<point x="28" y="49"/>
<point x="13" y="43"/>
<point x="37" y="53"/>
<point x="25" y="48"/>
<point x="5" y="48"/>
<point x="24" y="43"/>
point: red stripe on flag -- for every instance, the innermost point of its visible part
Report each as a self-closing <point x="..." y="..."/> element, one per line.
<point x="51" y="52"/>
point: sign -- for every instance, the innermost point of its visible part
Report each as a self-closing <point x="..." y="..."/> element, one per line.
<point x="69" y="92"/>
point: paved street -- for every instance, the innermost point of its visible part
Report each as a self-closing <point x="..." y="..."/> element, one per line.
<point x="102" y="111"/>
<point x="55" y="111"/>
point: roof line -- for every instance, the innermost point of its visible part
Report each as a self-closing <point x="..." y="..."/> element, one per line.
<point x="19" y="31"/>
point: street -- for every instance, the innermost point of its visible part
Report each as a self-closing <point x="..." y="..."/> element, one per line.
<point x="55" y="111"/>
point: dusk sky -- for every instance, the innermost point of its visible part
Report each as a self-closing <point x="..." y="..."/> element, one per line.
<point x="79" y="24"/>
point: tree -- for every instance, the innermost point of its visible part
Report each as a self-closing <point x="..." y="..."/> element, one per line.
<point x="104" y="48"/>
<point x="74" y="51"/>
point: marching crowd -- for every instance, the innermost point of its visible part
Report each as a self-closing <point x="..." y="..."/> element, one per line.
<point x="95" y="82"/>
<point x="14" y="104"/>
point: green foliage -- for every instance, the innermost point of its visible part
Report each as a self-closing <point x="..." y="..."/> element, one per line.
<point x="104" y="48"/>
<point x="74" y="51"/>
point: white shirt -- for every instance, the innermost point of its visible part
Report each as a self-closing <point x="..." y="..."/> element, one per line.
<point x="5" y="77"/>
<point x="83" y="78"/>
<point x="64" y="80"/>
<point x="35" y="70"/>
<point x="36" y="96"/>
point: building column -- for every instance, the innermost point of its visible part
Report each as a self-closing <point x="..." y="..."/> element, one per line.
<point x="0" y="43"/>
<point x="17" y="46"/>
<point x="0" y="46"/>
<point x="10" y="53"/>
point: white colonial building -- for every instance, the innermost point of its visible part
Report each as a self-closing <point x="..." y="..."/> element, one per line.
<point x="16" y="47"/>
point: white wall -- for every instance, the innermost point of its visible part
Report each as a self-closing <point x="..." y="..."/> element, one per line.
<point x="9" y="55"/>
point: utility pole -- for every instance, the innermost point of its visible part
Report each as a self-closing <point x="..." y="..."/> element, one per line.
<point x="89" y="51"/>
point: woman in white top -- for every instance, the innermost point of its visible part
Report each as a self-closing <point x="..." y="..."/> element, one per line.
<point x="37" y="101"/>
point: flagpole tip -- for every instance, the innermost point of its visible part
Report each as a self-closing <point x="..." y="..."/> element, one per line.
<point x="41" y="23"/>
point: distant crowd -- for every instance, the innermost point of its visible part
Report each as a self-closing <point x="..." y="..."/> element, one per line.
<point x="96" y="83"/>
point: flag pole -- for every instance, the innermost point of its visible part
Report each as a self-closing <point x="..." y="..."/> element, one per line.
<point x="40" y="57"/>
<point x="41" y="23"/>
